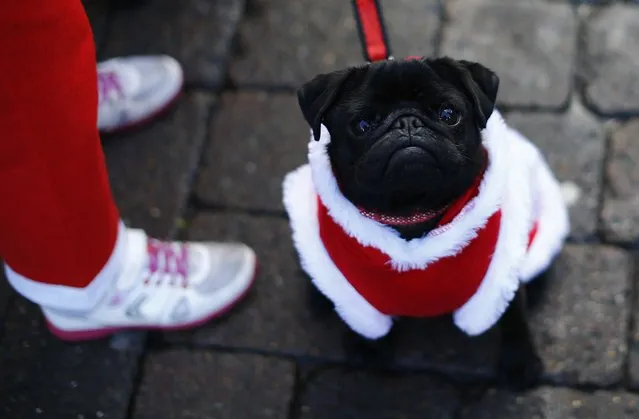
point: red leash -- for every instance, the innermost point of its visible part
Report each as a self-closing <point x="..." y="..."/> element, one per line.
<point x="372" y="33"/>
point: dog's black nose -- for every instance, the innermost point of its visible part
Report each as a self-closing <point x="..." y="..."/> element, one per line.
<point x="408" y="122"/>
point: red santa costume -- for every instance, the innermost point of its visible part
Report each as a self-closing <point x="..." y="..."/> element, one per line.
<point x="505" y="231"/>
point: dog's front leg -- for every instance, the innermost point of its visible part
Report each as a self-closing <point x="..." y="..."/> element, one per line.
<point x="369" y="352"/>
<point x="519" y="365"/>
<point x="357" y="348"/>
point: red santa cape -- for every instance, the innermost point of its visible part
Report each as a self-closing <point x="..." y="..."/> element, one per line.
<point x="508" y="232"/>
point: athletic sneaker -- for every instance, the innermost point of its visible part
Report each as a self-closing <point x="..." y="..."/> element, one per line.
<point x="133" y="90"/>
<point x="165" y="286"/>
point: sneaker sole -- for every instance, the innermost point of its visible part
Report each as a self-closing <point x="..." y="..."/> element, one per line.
<point x="87" y="335"/>
<point x="141" y="123"/>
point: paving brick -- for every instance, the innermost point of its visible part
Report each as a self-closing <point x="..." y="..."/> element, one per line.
<point x="198" y="33"/>
<point x="339" y="394"/>
<point x="530" y="45"/>
<point x="256" y="139"/>
<point x="277" y="315"/>
<point x="184" y="384"/>
<point x="633" y="359"/>
<point x="290" y="42"/>
<point x="573" y="143"/>
<point x="553" y="403"/>
<point x="581" y="325"/>
<point x="412" y="26"/>
<point x="151" y="170"/>
<point x="577" y="2"/>
<point x="620" y="213"/>
<point x="41" y="377"/>
<point x="610" y="66"/>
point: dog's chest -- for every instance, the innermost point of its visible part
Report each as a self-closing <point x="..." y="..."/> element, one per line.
<point x="441" y="287"/>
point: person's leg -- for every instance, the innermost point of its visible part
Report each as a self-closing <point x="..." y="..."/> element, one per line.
<point x="60" y="234"/>
<point x="58" y="222"/>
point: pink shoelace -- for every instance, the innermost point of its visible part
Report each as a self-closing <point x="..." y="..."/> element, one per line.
<point x="169" y="260"/>
<point x="108" y="84"/>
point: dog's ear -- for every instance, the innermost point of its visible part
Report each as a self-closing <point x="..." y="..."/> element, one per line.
<point x="318" y="95"/>
<point x="479" y="83"/>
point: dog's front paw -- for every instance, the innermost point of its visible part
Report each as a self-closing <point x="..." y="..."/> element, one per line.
<point x="519" y="369"/>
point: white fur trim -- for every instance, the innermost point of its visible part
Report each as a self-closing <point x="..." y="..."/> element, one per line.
<point x="552" y="213"/>
<point x="445" y="241"/>
<point x="501" y="282"/>
<point x="533" y="194"/>
<point x="70" y="298"/>
<point x="301" y="203"/>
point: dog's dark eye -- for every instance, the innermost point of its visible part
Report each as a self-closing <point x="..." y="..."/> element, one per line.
<point x="367" y="123"/>
<point x="449" y="116"/>
<point x="364" y="126"/>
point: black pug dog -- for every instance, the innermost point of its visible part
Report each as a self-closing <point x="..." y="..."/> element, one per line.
<point x="405" y="139"/>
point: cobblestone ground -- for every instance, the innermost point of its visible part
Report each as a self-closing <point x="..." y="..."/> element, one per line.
<point x="213" y="167"/>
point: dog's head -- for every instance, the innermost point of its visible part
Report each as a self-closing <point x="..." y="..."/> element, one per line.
<point x="405" y="135"/>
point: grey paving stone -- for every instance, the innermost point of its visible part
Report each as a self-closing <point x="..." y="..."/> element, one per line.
<point x="530" y="45"/>
<point x="581" y="324"/>
<point x="290" y="42"/>
<point x="151" y="170"/>
<point x="41" y="377"/>
<point x="198" y="33"/>
<point x="610" y="65"/>
<point x="256" y="139"/>
<point x="196" y="384"/>
<point x="553" y="403"/>
<point x="277" y="315"/>
<point x="582" y="2"/>
<point x="633" y="363"/>
<point x="573" y="143"/>
<point x="412" y="26"/>
<point x="339" y="394"/>
<point x="620" y="213"/>
<point x="98" y="13"/>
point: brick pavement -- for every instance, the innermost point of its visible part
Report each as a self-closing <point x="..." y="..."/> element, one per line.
<point x="213" y="167"/>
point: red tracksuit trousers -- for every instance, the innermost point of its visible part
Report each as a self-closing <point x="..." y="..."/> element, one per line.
<point x="58" y="221"/>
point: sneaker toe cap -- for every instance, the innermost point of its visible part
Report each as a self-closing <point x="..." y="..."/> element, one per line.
<point x="231" y="265"/>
